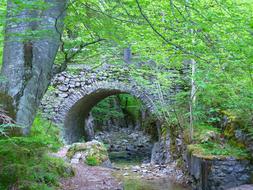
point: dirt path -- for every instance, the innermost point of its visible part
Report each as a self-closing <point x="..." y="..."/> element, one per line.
<point x="88" y="177"/>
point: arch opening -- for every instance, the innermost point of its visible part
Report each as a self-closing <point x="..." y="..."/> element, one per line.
<point x="75" y="119"/>
<point x="125" y="125"/>
<point x="75" y="122"/>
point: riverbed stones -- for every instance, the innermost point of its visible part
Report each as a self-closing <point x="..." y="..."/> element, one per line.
<point x="126" y="143"/>
<point x="151" y="171"/>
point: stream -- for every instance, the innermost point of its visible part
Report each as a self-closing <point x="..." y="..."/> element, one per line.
<point x="130" y="153"/>
<point x="155" y="184"/>
<point x="136" y="181"/>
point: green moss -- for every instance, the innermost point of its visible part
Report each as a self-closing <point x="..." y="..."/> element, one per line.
<point x="209" y="142"/>
<point x="212" y="150"/>
<point x="92" y="161"/>
<point x="133" y="184"/>
<point x="232" y="124"/>
<point x="235" y="143"/>
<point x="51" y="88"/>
<point x="180" y="162"/>
<point x="24" y="161"/>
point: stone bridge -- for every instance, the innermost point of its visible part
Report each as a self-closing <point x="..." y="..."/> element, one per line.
<point x="74" y="93"/>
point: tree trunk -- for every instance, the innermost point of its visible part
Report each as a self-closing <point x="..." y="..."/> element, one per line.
<point x="192" y="98"/>
<point x="28" y="59"/>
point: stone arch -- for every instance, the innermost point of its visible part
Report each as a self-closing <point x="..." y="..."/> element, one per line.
<point x="76" y="107"/>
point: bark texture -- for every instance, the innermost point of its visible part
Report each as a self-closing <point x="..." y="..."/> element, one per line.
<point x="29" y="52"/>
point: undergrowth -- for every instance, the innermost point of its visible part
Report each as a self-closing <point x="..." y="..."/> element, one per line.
<point x="209" y="142"/>
<point x="25" y="163"/>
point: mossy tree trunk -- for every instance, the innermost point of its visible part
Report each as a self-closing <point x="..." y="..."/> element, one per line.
<point x="32" y="39"/>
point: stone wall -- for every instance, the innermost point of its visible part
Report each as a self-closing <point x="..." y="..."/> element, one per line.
<point x="218" y="174"/>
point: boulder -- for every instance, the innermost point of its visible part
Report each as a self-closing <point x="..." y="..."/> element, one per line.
<point x="91" y="153"/>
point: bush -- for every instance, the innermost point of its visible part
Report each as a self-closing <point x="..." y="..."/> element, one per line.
<point x="24" y="161"/>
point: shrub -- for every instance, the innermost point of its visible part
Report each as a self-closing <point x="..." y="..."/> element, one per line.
<point x="24" y="161"/>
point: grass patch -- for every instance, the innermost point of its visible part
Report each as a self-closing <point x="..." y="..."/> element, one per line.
<point x="24" y="161"/>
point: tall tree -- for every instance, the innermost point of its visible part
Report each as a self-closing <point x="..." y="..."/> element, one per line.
<point x="32" y="38"/>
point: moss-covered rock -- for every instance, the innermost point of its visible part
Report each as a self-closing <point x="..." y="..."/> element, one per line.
<point x="90" y="152"/>
<point x="210" y="142"/>
<point x="212" y="150"/>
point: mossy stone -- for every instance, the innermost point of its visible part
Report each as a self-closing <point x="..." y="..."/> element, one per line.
<point x="94" y="151"/>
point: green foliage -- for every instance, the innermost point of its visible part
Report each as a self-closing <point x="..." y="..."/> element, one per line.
<point x="106" y="110"/>
<point x="131" y="105"/>
<point x="25" y="163"/>
<point x="209" y="142"/>
<point x="51" y="88"/>
<point x="44" y="131"/>
<point x="202" y="131"/>
<point x="217" y="150"/>
<point x="92" y="161"/>
<point x="121" y="107"/>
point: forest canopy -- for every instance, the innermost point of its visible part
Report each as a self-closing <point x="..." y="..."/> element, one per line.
<point x="217" y="35"/>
